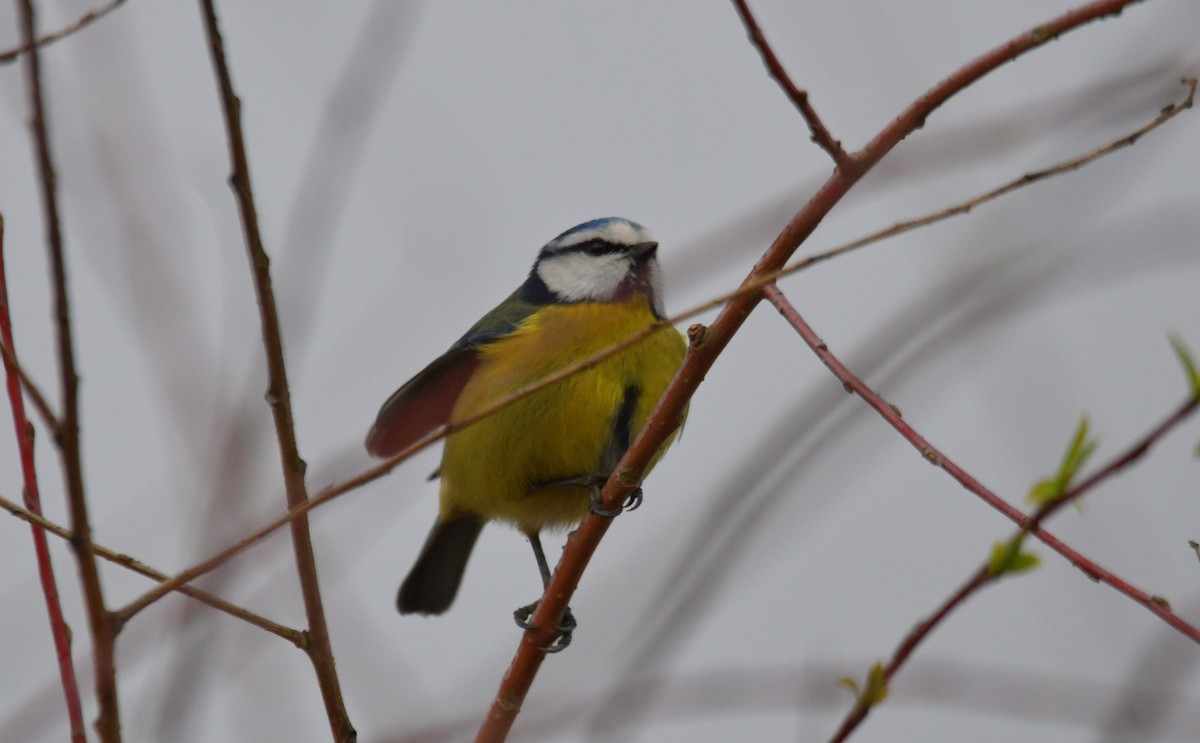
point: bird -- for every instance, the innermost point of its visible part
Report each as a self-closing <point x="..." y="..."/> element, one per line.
<point x="537" y="464"/>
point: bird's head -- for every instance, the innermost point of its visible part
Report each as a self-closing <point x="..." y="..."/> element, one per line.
<point x="604" y="260"/>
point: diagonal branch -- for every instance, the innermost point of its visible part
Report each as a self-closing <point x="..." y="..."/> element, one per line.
<point x="278" y="394"/>
<point x="103" y="629"/>
<point x="798" y="97"/>
<point x="706" y="347"/>
<point x="984" y="575"/>
<point x="84" y="20"/>
<point x="1026" y="524"/>
<point x="1168" y="112"/>
<point x="42" y="524"/>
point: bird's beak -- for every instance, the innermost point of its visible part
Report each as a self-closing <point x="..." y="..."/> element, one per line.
<point x="643" y="252"/>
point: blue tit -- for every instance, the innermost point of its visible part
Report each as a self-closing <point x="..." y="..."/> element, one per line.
<point x="536" y="464"/>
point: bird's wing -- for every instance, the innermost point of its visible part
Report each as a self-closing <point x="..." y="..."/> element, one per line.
<point x="424" y="402"/>
<point x="504" y="319"/>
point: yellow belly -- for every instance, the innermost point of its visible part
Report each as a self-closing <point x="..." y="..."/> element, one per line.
<point x="493" y="467"/>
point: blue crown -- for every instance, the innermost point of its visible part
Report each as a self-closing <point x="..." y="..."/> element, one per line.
<point x="595" y="223"/>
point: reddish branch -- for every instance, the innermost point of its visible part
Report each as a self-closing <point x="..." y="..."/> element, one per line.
<point x="583" y="542"/>
<point x="1028" y="525"/>
<point x="24" y="433"/>
<point x="103" y="629"/>
<point x="1167" y="113"/>
<point x="859" y="712"/>
<point x="278" y="394"/>
<point x="798" y="97"/>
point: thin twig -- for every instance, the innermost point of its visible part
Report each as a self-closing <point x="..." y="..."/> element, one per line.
<point x="24" y="433"/>
<point x="41" y="524"/>
<point x="103" y="629"/>
<point x="278" y="393"/>
<point x="749" y="287"/>
<point x="981" y="577"/>
<point x="1169" y="112"/>
<point x="798" y="97"/>
<point x="84" y="20"/>
<point x="582" y="543"/>
<point x="1027" y="524"/>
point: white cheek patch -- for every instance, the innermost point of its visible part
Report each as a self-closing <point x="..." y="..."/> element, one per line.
<point x="578" y="277"/>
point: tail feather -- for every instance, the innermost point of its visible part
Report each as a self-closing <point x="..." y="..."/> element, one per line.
<point x="433" y="581"/>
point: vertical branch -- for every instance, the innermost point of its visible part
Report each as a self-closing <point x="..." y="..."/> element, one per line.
<point x="24" y="432"/>
<point x="278" y="395"/>
<point x="103" y="628"/>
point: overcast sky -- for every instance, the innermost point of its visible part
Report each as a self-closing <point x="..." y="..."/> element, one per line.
<point x="409" y="159"/>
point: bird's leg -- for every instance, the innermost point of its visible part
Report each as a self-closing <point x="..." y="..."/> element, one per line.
<point x="522" y="615"/>
<point x="595" y="484"/>
<point x="535" y="541"/>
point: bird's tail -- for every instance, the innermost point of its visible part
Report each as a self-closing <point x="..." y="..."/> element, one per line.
<point x="433" y="581"/>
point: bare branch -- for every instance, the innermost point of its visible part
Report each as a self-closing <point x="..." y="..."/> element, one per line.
<point x="799" y="97"/>
<point x="1026" y="524"/>
<point x="1167" y="113"/>
<point x="294" y="636"/>
<point x="24" y="433"/>
<point x="278" y="393"/>
<point x="103" y="629"/>
<point x="84" y="20"/>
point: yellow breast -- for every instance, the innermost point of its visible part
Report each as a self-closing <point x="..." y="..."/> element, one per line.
<point x="493" y="467"/>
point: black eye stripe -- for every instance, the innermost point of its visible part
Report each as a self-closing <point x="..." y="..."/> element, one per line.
<point x="597" y="247"/>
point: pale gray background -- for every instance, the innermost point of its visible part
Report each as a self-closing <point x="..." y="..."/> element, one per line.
<point x="409" y="159"/>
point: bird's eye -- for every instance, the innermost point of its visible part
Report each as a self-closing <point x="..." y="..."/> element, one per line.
<point x="597" y="248"/>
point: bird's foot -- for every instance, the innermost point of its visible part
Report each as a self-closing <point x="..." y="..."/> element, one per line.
<point x="631" y="503"/>
<point x="566" y="626"/>
<point x="595" y="485"/>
